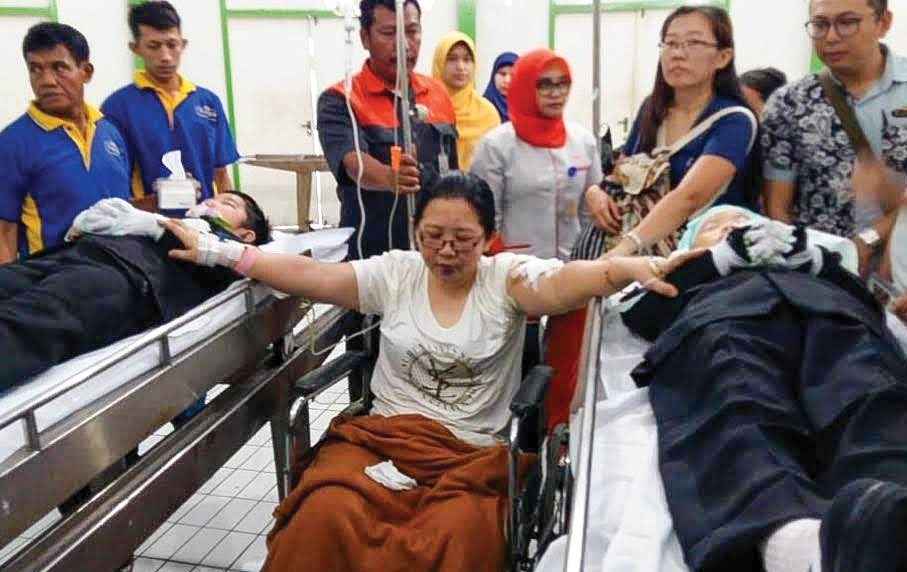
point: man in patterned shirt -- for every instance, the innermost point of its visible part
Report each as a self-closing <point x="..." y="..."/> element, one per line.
<point x="809" y="158"/>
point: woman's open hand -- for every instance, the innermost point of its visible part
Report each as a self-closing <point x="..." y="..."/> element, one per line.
<point x="651" y="271"/>
<point x="187" y="236"/>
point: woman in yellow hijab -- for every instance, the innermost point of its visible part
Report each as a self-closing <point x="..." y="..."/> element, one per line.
<point x="455" y="66"/>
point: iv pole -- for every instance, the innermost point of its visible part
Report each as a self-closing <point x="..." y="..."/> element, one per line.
<point x="596" y="70"/>
<point x="405" y="110"/>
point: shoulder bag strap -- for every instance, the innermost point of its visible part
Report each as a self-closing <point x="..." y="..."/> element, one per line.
<point x="844" y="111"/>
<point x="707" y="124"/>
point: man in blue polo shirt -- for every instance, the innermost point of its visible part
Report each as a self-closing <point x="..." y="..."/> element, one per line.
<point x="61" y="156"/>
<point x="162" y="111"/>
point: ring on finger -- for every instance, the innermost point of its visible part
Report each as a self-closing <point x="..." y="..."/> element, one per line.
<point x="656" y="268"/>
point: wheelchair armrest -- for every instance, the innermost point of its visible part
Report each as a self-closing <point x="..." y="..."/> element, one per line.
<point x="531" y="391"/>
<point x="329" y="374"/>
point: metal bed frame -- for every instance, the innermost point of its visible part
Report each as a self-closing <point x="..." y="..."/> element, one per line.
<point x="586" y="397"/>
<point x="256" y="354"/>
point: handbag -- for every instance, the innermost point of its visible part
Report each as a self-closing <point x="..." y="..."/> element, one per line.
<point x="645" y="179"/>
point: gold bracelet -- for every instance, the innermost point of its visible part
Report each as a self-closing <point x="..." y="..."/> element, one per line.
<point x="657" y="270"/>
<point x="640" y="247"/>
<point x="608" y="282"/>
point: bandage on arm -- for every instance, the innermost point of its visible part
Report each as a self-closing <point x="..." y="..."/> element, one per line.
<point x="539" y="287"/>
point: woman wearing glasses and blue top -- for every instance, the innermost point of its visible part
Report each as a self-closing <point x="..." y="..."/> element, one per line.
<point x="696" y="79"/>
<point x="452" y="332"/>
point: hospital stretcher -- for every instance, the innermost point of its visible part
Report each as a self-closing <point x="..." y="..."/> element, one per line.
<point x="618" y="518"/>
<point x="65" y="427"/>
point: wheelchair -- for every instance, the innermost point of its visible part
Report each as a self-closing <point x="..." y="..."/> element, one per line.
<point x="537" y="502"/>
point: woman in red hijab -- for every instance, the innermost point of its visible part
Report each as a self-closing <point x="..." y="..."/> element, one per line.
<point x="538" y="165"/>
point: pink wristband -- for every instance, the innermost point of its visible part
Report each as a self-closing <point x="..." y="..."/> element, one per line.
<point x="248" y="258"/>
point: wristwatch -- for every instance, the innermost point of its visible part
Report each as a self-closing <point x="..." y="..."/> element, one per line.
<point x="871" y="237"/>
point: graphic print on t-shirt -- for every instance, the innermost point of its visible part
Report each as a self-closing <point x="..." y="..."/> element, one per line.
<point x="443" y="373"/>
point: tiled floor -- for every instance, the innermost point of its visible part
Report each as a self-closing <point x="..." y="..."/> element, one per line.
<point x="223" y="526"/>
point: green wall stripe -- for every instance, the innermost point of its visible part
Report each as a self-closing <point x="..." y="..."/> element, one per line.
<point x="50" y="12"/>
<point x="278" y="14"/>
<point x="815" y="64"/>
<point x="557" y="9"/>
<point x="52" y="9"/>
<point x="466" y="17"/>
<point x="137" y="62"/>
<point x="228" y="77"/>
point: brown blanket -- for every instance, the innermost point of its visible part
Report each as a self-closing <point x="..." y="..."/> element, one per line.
<point x="339" y="519"/>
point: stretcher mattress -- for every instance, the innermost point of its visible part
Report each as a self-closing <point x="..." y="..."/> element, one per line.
<point x="325" y="245"/>
<point x="629" y="527"/>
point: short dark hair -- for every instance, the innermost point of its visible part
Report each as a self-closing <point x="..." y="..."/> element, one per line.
<point x="367" y="10"/>
<point x="764" y="81"/>
<point x="48" y="35"/>
<point x="879" y="6"/>
<point x="460" y="185"/>
<point x="157" y="14"/>
<point x="256" y="221"/>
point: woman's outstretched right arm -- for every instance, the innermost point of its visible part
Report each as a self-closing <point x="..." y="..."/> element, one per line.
<point x="331" y="283"/>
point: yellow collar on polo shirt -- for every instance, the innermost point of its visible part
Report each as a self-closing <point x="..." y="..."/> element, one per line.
<point x="49" y="123"/>
<point x="170" y="102"/>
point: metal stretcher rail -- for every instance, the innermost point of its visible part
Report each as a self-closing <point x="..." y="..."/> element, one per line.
<point x="85" y="443"/>
<point x="110" y="527"/>
<point x="590" y="361"/>
<point x="159" y="335"/>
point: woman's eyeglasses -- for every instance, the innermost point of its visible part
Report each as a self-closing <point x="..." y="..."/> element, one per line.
<point x="845" y="26"/>
<point x="686" y="46"/>
<point x="547" y="87"/>
<point x="460" y="244"/>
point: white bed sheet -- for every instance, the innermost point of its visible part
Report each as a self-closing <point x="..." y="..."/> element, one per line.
<point x="326" y="245"/>
<point x="629" y="526"/>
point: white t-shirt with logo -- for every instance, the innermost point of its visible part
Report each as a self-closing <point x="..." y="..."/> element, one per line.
<point x="464" y="376"/>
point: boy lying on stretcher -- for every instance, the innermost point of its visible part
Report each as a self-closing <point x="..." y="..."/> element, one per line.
<point x="781" y="403"/>
<point x="112" y="280"/>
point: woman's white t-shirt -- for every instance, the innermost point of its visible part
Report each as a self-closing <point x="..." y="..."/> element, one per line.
<point x="464" y="376"/>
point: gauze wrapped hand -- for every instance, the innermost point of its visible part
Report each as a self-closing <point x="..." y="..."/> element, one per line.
<point x="211" y="251"/>
<point x="765" y="242"/>
<point x="115" y="217"/>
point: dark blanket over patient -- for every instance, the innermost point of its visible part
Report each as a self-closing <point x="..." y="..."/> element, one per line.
<point x="772" y="390"/>
<point x="82" y="296"/>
